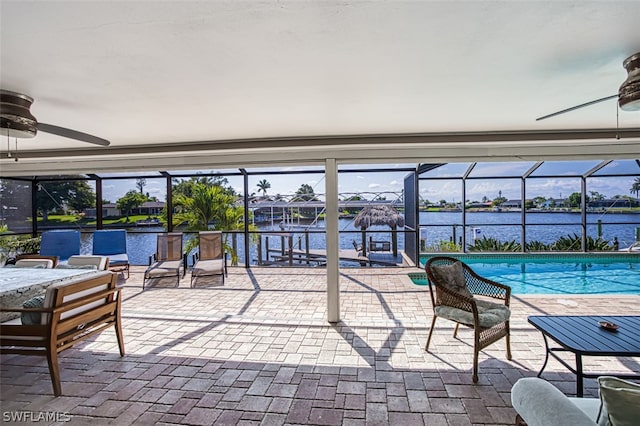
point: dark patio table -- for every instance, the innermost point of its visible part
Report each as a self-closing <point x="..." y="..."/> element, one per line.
<point x="583" y="336"/>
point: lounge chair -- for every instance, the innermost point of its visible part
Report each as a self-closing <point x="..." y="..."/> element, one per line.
<point x="167" y="260"/>
<point x="211" y="259"/>
<point x="453" y="286"/>
<point x="112" y="243"/>
<point x="61" y="243"/>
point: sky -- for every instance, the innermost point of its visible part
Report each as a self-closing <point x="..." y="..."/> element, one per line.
<point x="388" y="183"/>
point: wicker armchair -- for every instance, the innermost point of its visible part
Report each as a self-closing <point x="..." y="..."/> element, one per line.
<point x="455" y="301"/>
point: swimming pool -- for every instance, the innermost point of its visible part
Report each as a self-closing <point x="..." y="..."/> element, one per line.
<point x="555" y="273"/>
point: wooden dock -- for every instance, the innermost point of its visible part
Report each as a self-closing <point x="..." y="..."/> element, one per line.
<point x="318" y="257"/>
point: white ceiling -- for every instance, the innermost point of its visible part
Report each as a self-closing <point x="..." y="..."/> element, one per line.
<point x="170" y="72"/>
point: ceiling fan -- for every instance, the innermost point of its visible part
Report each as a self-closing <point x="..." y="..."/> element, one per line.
<point x="17" y="121"/>
<point x="628" y="94"/>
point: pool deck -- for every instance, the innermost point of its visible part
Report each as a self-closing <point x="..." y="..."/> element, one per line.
<point x="259" y="350"/>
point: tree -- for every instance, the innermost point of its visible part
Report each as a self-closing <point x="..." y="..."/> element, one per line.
<point x="62" y="195"/>
<point x="305" y="193"/>
<point x="635" y="188"/>
<point x="205" y="206"/>
<point x="209" y="206"/>
<point x="539" y="200"/>
<point x="186" y="186"/>
<point x="263" y="185"/>
<point x="575" y="199"/>
<point x="130" y="201"/>
<point x="499" y="200"/>
<point x="596" y="196"/>
<point x="140" y="184"/>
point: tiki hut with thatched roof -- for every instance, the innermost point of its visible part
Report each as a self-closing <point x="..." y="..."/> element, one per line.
<point x="380" y="214"/>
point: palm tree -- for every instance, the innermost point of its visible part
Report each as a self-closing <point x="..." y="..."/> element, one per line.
<point x="263" y="185"/>
<point x="210" y="205"/>
<point x="635" y="188"/>
<point x="207" y="204"/>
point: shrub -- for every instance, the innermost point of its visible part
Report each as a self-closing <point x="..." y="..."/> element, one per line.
<point x="492" y="244"/>
<point x="574" y="243"/>
<point x="11" y="246"/>
<point x="537" y="246"/>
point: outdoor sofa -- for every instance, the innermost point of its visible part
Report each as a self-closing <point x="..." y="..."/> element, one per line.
<point x="539" y="403"/>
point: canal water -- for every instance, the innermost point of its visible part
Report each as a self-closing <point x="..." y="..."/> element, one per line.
<point x="436" y="227"/>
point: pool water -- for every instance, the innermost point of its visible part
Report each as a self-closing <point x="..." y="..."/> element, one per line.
<point x="556" y="274"/>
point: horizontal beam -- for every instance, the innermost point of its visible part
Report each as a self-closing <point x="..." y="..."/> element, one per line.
<point x="409" y="148"/>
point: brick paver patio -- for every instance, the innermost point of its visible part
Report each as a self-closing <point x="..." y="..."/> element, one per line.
<point x="258" y="350"/>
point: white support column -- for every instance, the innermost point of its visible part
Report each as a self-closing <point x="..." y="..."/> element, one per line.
<point x="331" y="223"/>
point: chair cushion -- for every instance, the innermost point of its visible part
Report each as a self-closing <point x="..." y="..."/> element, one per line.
<point x="451" y="277"/>
<point x="51" y="290"/>
<point x="208" y="267"/>
<point x="34" y="263"/>
<point x="118" y="259"/>
<point x="489" y="314"/>
<point x="67" y="266"/>
<point x="542" y="404"/>
<point x="100" y="262"/>
<point x="621" y="399"/>
<point x="169" y="268"/>
<point x="32" y="318"/>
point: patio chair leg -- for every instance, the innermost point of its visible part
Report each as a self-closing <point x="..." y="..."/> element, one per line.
<point x="475" y="365"/>
<point x="54" y="371"/>
<point x="433" y="324"/>
<point x="119" y="335"/>
<point x="508" y="338"/>
<point x="455" y="331"/>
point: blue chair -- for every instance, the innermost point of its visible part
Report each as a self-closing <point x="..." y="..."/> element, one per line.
<point x="112" y="243"/>
<point x="61" y="243"/>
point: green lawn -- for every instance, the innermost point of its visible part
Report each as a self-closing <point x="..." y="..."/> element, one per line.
<point x="62" y="220"/>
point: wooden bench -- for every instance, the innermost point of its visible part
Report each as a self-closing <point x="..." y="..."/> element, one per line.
<point x="73" y="311"/>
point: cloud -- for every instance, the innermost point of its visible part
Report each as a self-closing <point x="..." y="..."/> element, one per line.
<point x="373" y="185"/>
<point x="394" y="183"/>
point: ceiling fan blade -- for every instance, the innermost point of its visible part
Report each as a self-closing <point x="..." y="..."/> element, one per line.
<point x="576" y="107"/>
<point x="72" y="134"/>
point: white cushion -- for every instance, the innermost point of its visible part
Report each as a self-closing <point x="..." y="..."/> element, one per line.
<point x="100" y="262"/>
<point x="48" y="297"/>
<point x="540" y="403"/>
<point x="34" y="263"/>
